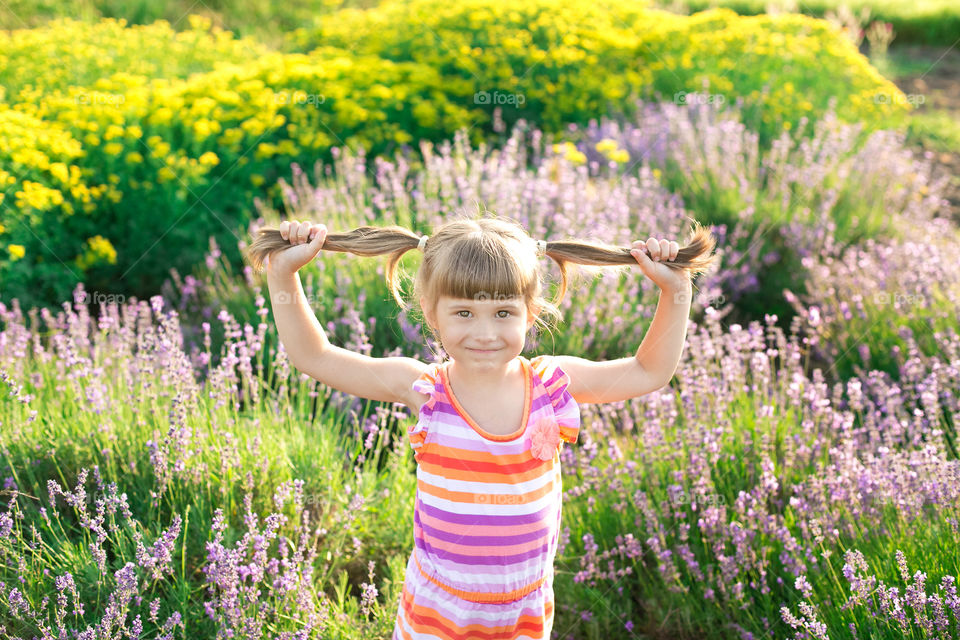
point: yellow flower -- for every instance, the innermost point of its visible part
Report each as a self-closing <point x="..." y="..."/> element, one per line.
<point x="97" y="250"/>
<point x="113" y="131"/>
<point x="59" y="171"/>
<point x="102" y="247"/>
<point x="165" y="174"/>
<point x="134" y="157"/>
<point x="2" y="228"/>
<point x="265" y="150"/>
<point x="160" y="149"/>
<point x="606" y="145"/>
<point x="199" y="22"/>
<point x="256" y="180"/>
<point x="620" y="155"/>
<point x="287" y="148"/>
<point x="210" y="159"/>
<point x="16" y="252"/>
<point x="576" y="157"/>
<point x="162" y="115"/>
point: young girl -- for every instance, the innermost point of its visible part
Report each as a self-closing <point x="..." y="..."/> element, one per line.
<point x="491" y="423"/>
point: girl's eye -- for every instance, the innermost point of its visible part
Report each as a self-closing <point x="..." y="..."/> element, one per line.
<point x="501" y="311"/>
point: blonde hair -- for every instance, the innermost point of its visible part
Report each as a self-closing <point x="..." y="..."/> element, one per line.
<point x="489" y="256"/>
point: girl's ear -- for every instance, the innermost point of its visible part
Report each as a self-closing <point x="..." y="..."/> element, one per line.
<point x="532" y="316"/>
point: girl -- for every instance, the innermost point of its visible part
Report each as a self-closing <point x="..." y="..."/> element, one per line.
<point x="491" y="423"/>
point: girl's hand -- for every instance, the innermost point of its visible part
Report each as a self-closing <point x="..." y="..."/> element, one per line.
<point x="306" y="240"/>
<point x="651" y="254"/>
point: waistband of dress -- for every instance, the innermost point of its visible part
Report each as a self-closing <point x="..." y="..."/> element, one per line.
<point x="481" y="596"/>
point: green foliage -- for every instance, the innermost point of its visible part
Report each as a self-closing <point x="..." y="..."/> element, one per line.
<point x="560" y="64"/>
<point x="935" y="22"/>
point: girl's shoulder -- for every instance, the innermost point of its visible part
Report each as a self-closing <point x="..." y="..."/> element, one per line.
<point x="555" y="382"/>
<point x="423" y="388"/>
<point x="554" y="378"/>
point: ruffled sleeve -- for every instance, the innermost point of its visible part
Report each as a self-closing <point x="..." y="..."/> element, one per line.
<point x="565" y="408"/>
<point x="426" y="383"/>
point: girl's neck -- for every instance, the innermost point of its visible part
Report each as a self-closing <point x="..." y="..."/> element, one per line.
<point x="482" y="380"/>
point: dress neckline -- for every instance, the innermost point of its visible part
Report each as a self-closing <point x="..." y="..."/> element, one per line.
<point x="527" y="397"/>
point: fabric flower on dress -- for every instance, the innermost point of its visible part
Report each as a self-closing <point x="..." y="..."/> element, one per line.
<point x="545" y="438"/>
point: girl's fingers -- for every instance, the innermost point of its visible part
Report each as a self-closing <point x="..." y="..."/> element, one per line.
<point x="657" y="250"/>
<point x="653" y="248"/>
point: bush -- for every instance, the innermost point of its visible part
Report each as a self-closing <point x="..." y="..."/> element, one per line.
<point x="555" y="63"/>
<point x="137" y="154"/>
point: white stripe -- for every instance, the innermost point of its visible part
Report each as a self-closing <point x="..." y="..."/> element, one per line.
<point x="493" y="488"/>
<point x="471" y="572"/>
<point x="484" y="509"/>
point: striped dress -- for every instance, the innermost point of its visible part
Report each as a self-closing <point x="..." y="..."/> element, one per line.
<point x="486" y="514"/>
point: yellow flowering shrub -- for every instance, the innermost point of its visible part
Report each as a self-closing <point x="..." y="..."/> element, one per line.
<point x="555" y="62"/>
<point x="170" y="157"/>
<point x="109" y="57"/>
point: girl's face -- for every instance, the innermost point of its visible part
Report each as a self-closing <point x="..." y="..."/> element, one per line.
<point x="486" y="334"/>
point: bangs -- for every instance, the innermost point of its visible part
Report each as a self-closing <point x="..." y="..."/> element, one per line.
<point x="481" y="270"/>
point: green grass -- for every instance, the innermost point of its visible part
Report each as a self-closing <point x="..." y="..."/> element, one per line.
<point x="935" y="130"/>
<point x="926" y="21"/>
<point x="266" y="21"/>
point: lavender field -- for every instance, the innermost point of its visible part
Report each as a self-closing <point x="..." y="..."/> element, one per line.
<point x="167" y="474"/>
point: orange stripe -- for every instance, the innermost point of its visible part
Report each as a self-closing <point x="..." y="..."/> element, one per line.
<point x="453" y="468"/>
<point x="569" y="433"/>
<point x="426" y="620"/>
<point x="474" y="497"/>
<point x="481" y="596"/>
<point x="472" y="455"/>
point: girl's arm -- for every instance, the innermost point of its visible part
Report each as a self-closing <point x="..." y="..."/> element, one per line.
<point x="309" y="350"/>
<point x="650" y="369"/>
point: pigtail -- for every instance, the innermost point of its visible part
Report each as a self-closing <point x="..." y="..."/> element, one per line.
<point x="364" y="241"/>
<point x="694" y="257"/>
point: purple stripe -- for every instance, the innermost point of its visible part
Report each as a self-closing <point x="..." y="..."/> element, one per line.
<point x="471" y="518"/>
<point x="498" y="540"/>
<point x="557" y="375"/>
<point x="485" y="560"/>
<point x="539" y="401"/>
